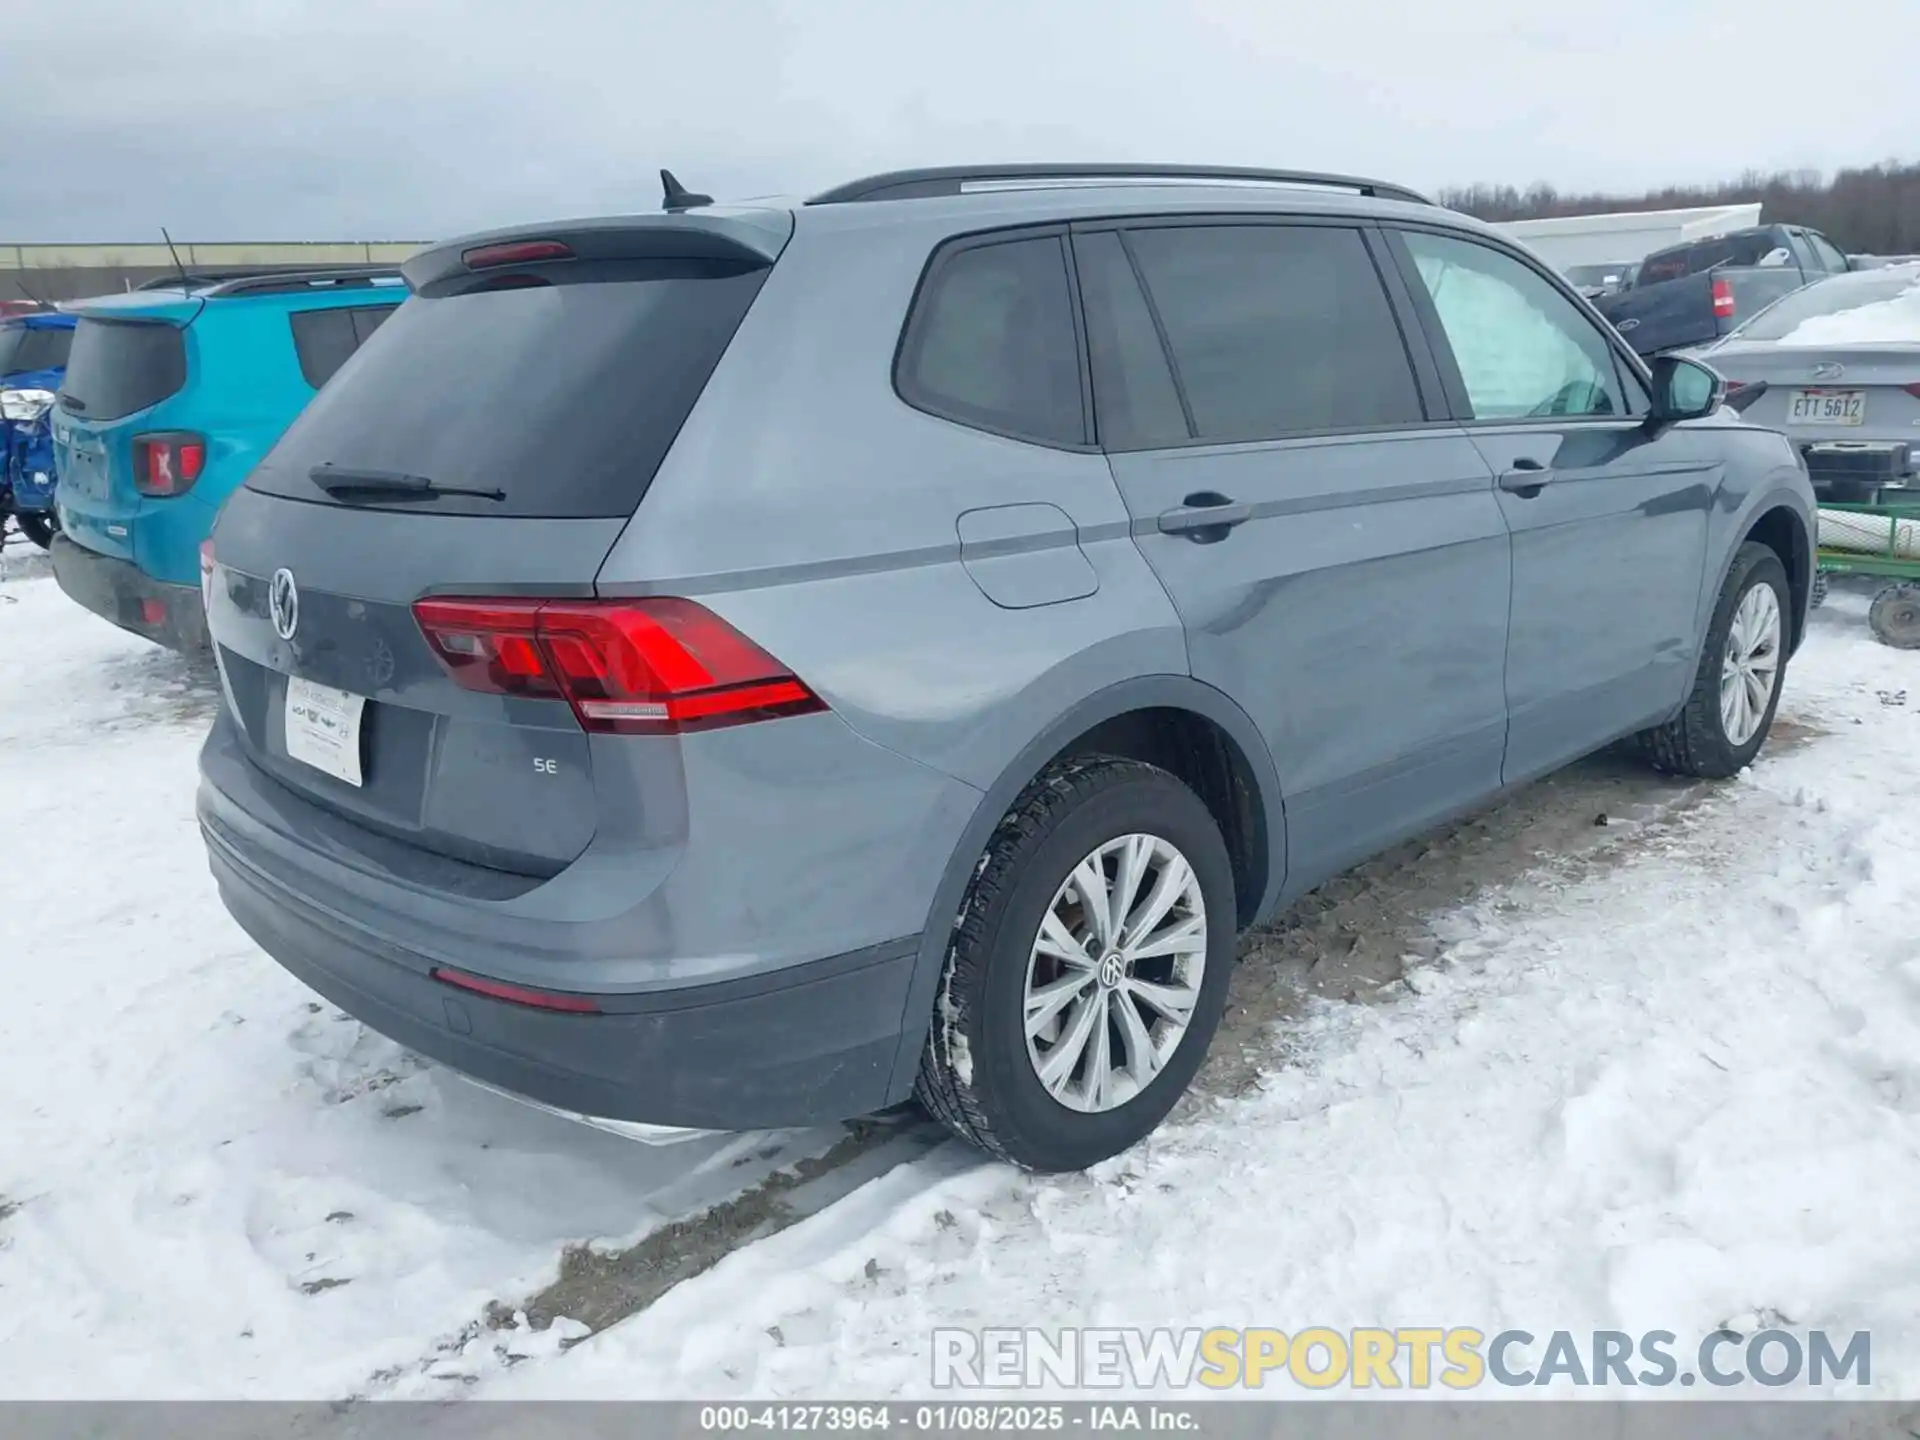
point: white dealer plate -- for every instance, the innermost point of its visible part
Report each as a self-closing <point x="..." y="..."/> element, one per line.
<point x="323" y="729"/>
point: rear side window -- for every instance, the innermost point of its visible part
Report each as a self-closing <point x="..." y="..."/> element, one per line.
<point x="562" y="397"/>
<point x="991" y="343"/>
<point x="1277" y="330"/>
<point x="323" y="339"/>
<point x="23" y="349"/>
<point x="119" y="366"/>
<point x="1134" y="398"/>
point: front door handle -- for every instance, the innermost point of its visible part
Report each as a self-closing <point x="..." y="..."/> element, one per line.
<point x="1526" y="479"/>
<point x="1205" y="516"/>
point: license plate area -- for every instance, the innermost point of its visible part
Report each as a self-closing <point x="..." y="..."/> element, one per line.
<point x="322" y="728"/>
<point x="1827" y="407"/>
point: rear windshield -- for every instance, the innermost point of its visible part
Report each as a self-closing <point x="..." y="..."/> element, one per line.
<point x="1866" y="307"/>
<point x="119" y="366"/>
<point x="22" y="349"/>
<point x="1747" y="248"/>
<point x="563" y="398"/>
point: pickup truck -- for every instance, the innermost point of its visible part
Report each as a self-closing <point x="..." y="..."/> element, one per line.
<point x="1695" y="293"/>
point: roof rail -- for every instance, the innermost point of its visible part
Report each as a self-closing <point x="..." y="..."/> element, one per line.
<point x="325" y="277"/>
<point x="959" y="179"/>
<point x="257" y="280"/>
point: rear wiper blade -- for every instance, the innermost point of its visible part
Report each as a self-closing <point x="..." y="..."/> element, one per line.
<point x="396" y="484"/>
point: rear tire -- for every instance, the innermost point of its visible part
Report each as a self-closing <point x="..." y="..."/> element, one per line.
<point x="1026" y="1093"/>
<point x="37" y="528"/>
<point x="1726" y="719"/>
<point x="1895" y="616"/>
<point x="1817" y="593"/>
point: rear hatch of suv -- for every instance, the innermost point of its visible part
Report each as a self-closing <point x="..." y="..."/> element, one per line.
<point x="488" y="443"/>
<point x="130" y="355"/>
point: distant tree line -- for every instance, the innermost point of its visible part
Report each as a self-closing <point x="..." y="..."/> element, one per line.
<point x="1874" y="210"/>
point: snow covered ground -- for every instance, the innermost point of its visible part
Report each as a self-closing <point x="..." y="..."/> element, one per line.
<point x="1673" y="1090"/>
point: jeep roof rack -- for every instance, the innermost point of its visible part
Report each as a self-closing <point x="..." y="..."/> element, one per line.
<point x="962" y="179"/>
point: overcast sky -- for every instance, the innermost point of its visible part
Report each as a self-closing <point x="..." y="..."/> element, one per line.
<point x="411" y="119"/>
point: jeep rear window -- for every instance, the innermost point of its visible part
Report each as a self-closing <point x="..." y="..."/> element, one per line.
<point x="22" y="349"/>
<point x="563" y="397"/>
<point x="323" y="340"/>
<point x="119" y="366"/>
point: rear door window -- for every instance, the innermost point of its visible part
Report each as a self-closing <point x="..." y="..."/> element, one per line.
<point x="1135" y="400"/>
<point x="991" y="341"/>
<point x="324" y="339"/>
<point x="117" y="367"/>
<point x="1276" y="330"/>
<point x="562" y="396"/>
<point x="1831" y="260"/>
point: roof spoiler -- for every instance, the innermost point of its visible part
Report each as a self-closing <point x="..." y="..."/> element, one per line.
<point x="747" y="237"/>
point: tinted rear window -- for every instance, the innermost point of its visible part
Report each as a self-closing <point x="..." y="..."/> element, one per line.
<point x="23" y="349"/>
<point x="563" y="397"/>
<point x="1277" y="329"/>
<point x="119" y="366"/>
<point x="324" y="339"/>
<point x="991" y="342"/>
<point x="1747" y="248"/>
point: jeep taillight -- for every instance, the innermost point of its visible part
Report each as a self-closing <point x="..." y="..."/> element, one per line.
<point x="167" y="462"/>
<point x="628" y="667"/>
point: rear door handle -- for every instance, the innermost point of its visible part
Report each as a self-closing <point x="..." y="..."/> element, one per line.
<point x="1204" y="512"/>
<point x="1525" y="479"/>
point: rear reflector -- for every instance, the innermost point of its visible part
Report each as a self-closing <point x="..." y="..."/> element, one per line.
<point x="514" y="252"/>
<point x="516" y="994"/>
<point x="153" y="612"/>
<point x="167" y="462"/>
<point x="1722" y="299"/>
<point x="628" y="667"/>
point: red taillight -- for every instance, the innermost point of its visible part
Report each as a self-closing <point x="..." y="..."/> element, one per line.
<point x="516" y="994"/>
<point x="514" y="252"/>
<point x="1723" y="298"/>
<point x="167" y="462"/>
<point x="628" y="667"/>
<point x="1913" y="389"/>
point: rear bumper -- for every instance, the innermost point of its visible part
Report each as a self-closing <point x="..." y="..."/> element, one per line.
<point x="805" y="1045"/>
<point x="118" y="590"/>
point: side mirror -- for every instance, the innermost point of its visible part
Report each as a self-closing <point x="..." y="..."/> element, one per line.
<point x="1685" y="390"/>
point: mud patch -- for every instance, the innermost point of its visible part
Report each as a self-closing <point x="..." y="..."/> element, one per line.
<point x="600" y="1287"/>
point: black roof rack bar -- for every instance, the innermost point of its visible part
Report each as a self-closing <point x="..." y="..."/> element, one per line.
<point x="266" y="282"/>
<point x="954" y="180"/>
<point x="199" y="278"/>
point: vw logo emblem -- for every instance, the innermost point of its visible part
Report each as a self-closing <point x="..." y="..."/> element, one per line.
<point x="1112" y="971"/>
<point x="283" y="604"/>
<point x="1827" y="370"/>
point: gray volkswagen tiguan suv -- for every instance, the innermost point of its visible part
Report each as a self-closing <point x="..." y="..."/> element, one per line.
<point x="743" y="667"/>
